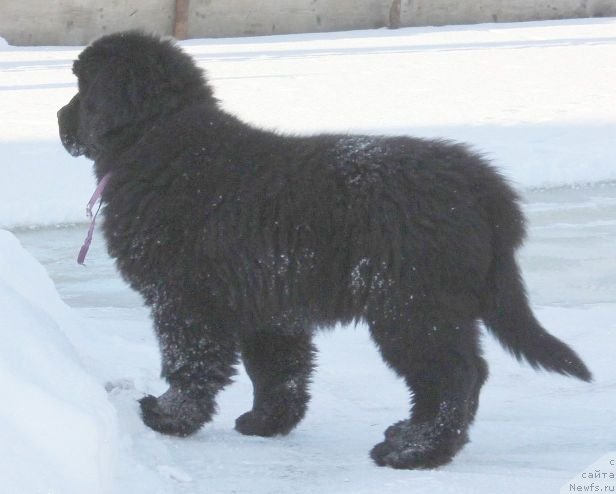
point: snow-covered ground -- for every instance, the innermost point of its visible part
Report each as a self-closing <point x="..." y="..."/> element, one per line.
<point x="538" y="98"/>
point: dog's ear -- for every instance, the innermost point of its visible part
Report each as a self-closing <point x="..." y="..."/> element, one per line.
<point x="114" y="98"/>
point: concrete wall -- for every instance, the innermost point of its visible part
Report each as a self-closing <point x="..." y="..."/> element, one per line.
<point x="77" y="22"/>
<point x="246" y="17"/>
<point x="440" y="12"/>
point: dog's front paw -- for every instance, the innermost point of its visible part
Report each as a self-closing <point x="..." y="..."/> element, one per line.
<point x="260" y="423"/>
<point x="174" y="417"/>
<point x="255" y="424"/>
<point x="417" y="446"/>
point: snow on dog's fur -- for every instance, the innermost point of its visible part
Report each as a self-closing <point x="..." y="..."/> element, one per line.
<point x="243" y="241"/>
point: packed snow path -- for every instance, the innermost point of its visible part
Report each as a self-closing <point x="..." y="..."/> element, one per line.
<point x="537" y="97"/>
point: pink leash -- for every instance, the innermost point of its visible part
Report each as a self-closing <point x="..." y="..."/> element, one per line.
<point x="98" y="192"/>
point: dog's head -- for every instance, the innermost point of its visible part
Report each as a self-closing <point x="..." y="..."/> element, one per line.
<point x="126" y="80"/>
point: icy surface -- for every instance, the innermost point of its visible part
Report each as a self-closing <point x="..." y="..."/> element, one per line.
<point x="538" y="98"/>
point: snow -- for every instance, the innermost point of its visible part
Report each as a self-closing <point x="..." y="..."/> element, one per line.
<point x="545" y="86"/>
<point x="537" y="98"/>
<point x="56" y="420"/>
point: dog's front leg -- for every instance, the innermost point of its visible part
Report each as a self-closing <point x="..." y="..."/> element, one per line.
<point x="279" y="363"/>
<point x="198" y="357"/>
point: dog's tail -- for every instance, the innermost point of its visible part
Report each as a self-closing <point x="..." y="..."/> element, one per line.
<point x="509" y="317"/>
<point x="507" y="313"/>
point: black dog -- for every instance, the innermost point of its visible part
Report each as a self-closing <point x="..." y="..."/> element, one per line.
<point x="243" y="240"/>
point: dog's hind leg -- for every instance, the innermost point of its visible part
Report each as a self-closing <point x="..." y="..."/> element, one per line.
<point x="441" y="363"/>
<point x="279" y="364"/>
<point x="198" y="357"/>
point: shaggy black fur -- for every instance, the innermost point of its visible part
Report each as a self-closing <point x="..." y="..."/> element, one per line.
<point x="243" y="240"/>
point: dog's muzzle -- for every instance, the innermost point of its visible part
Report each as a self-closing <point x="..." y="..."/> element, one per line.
<point x="68" y="124"/>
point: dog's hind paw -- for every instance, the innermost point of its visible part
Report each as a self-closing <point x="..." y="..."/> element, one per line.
<point x="417" y="446"/>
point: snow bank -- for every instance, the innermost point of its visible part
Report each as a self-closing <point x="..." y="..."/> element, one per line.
<point x="57" y="427"/>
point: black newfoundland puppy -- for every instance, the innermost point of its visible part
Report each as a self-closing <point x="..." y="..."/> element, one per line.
<point x="244" y="241"/>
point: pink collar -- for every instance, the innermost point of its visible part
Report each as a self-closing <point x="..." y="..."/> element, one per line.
<point x="98" y="192"/>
